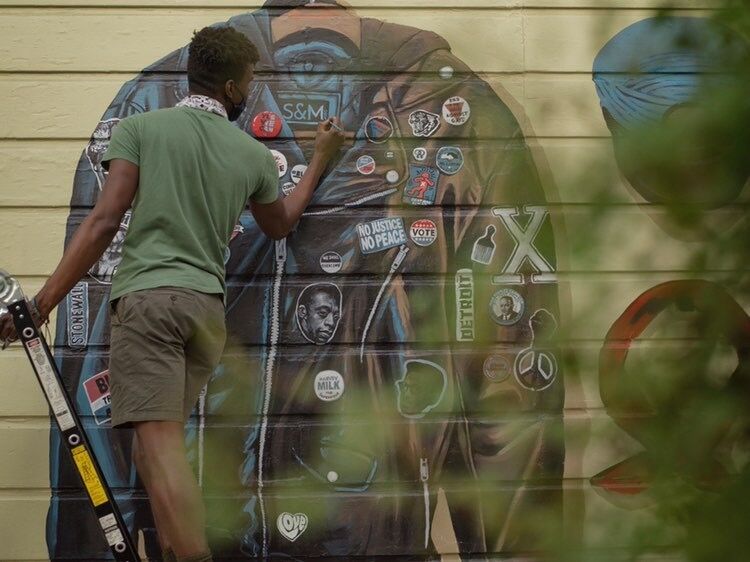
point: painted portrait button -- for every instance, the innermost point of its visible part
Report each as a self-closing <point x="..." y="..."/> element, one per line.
<point x="506" y="307"/>
<point x="267" y="125"/>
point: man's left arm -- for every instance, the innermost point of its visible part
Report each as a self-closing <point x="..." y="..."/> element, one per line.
<point x="89" y="241"/>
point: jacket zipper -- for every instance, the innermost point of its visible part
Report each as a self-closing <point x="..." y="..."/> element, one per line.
<point x="424" y="476"/>
<point x="273" y="349"/>
<point x="400" y="257"/>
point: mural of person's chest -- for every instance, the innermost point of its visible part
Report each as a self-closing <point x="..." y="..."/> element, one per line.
<point x="360" y="211"/>
<point x="356" y="222"/>
<point x="374" y="214"/>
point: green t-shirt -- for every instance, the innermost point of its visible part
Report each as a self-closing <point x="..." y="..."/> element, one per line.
<point x="196" y="174"/>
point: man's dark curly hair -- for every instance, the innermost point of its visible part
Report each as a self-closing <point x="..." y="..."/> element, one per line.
<point x="217" y="54"/>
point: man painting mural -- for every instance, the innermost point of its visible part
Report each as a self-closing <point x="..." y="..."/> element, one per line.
<point x="187" y="173"/>
<point x="302" y="442"/>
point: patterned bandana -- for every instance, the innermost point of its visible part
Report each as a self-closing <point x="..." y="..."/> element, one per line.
<point x="204" y="103"/>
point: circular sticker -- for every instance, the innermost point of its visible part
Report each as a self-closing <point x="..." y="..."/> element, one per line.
<point x="332" y="476"/>
<point x="446" y="72"/>
<point x="535" y="370"/>
<point x="288" y="187"/>
<point x="450" y="160"/>
<point x="267" y="125"/>
<point x="506" y="307"/>
<point x="366" y="165"/>
<point x="378" y="129"/>
<point x="281" y="163"/>
<point x="390" y="155"/>
<point x="297" y="172"/>
<point x="423" y="232"/>
<point x="331" y="262"/>
<point x="392" y="176"/>
<point x="497" y="368"/>
<point x="456" y="111"/>
<point x="329" y="386"/>
<point x="419" y="154"/>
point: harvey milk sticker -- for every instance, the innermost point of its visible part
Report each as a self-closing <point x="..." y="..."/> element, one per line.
<point x="381" y="234"/>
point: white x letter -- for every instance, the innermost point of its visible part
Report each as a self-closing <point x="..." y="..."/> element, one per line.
<point x="525" y="249"/>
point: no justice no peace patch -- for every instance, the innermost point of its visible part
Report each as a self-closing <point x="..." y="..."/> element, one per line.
<point x="381" y="234"/>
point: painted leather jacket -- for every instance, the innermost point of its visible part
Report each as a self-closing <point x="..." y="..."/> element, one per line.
<point x="371" y="367"/>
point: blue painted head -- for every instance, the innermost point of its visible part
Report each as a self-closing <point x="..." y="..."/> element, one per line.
<point x="657" y="63"/>
<point x="664" y="85"/>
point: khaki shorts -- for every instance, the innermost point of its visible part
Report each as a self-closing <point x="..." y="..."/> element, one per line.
<point x="165" y="344"/>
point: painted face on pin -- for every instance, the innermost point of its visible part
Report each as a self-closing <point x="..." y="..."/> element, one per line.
<point x="318" y="312"/>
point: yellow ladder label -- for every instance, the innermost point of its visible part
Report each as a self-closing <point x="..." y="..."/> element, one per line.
<point x="90" y="478"/>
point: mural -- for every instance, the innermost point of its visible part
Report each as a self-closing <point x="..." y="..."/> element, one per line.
<point x="394" y="363"/>
<point x="658" y="83"/>
<point x="398" y="347"/>
<point x="394" y="371"/>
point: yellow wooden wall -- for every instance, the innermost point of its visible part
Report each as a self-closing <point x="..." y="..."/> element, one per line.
<point x="63" y="61"/>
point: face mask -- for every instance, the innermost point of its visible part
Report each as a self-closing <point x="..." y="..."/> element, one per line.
<point x="237" y="109"/>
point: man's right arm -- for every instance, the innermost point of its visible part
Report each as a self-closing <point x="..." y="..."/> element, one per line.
<point x="277" y="219"/>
